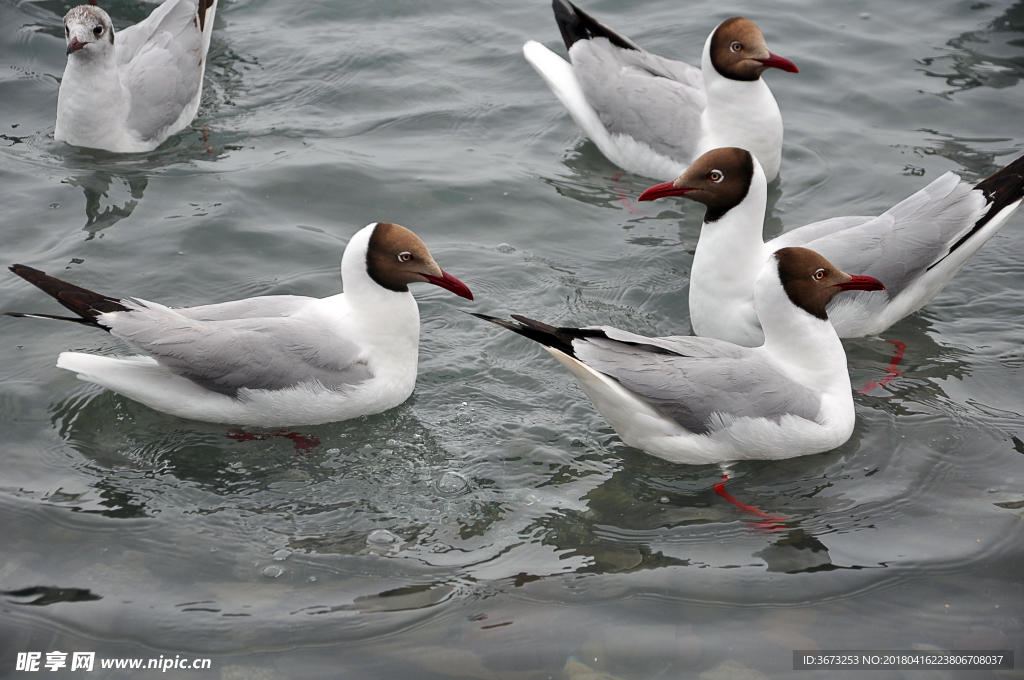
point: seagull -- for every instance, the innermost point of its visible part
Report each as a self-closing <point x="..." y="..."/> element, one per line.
<point x="131" y="91"/>
<point x="914" y="248"/>
<point x="654" y="116"/>
<point x="268" y="361"/>
<point x="700" y="400"/>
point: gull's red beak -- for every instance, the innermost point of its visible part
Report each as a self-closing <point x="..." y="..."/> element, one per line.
<point x="861" y="283"/>
<point x="663" y="190"/>
<point x="449" y="282"/>
<point x="775" y="61"/>
<point x="75" y="45"/>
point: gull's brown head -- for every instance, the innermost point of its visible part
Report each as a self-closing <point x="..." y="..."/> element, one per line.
<point x="720" y="179"/>
<point x="396" y="257"/>
<point x="811" y="281"/>
<point x="739" y="51"/>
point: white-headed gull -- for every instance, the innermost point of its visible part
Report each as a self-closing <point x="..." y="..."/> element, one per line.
<point x="654" y="116"/>
<point x="130" y="91"/>
<point x="700" y="400"/>
<point x="274" y="360"/>
<point x="914" y="248"/>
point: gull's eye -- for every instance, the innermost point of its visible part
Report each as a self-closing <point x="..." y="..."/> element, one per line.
<point x="819" y="275"/>
<point x="404" y="257"/>
<point x="98" y="31"/>
<point x="716" y="176"/>
<point x="736" y="46"/>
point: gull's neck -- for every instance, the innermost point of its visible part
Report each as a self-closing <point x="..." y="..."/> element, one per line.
<point x="730" y="254"/>
<point x="743" y="114"/>
<point x="805" y="347"/>
<point x="92" y="104"/>
<point x="380" y="312"/>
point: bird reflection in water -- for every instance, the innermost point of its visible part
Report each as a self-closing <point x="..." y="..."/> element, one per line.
<point x="97" y="186"/>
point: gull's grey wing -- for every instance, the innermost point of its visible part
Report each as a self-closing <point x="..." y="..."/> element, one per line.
<point x="801" y="236"/>
<point x="162" y="65"/>
<point x="269" y="353"/>
<point x="257" y="307"/>
<point x="687" y="345"/>
<point x="652" y="99"/>
<point x="899" y="245"/>
<point x="693" y="380"/>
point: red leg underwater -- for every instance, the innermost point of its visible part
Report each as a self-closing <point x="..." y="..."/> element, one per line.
<point x="891" y="371"/>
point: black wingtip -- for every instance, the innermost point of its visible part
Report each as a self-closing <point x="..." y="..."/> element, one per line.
<point x="82" y="301"/>
<point x="574" y="24"/>
<point x="1005" y="186"/>
<point x="1002" y="189"/>
<point x="19" y="268"/>
<point x="201" y="12"/>
<point x="53" y="317"/>
<point x="549" y="336"/>
<point x="495" y="320"/>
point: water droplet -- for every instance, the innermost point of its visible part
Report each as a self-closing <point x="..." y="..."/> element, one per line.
<point x="333" y="451"/>
<point x="663" y="499"/>
<point x="381" y="537"/>
<point x="577" y="442"/>
<point x="865" y="15"/>
<point x="282" y="554"/>
<point x="55" y="205"/>
<point x="273" y="571"/>
<point x="451" y="484"/>
<point x="311" y="579"/>
<point x="505" y="248"/>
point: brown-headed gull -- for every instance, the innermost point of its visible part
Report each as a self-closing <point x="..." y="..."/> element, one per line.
<point x="914" y="248"/>
<point x="274" y="360"/>
<point x="701" y="400"/>
<point x="654" y="116"/>
<point x="131" y="91"/>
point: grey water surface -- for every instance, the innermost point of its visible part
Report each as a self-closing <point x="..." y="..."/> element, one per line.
<point x="494" y="526"/>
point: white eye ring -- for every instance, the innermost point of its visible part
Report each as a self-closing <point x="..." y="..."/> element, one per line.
<point x="404" y="256"/>
<point x="819" y="275"/>
<point x="736" y="46"/>
<point x="716" y="176"/>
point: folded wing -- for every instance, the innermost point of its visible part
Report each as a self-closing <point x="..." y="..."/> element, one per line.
<point x="162" y="59"/>
<point x="699" y="384"/>
<point x="228" y="355"/>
